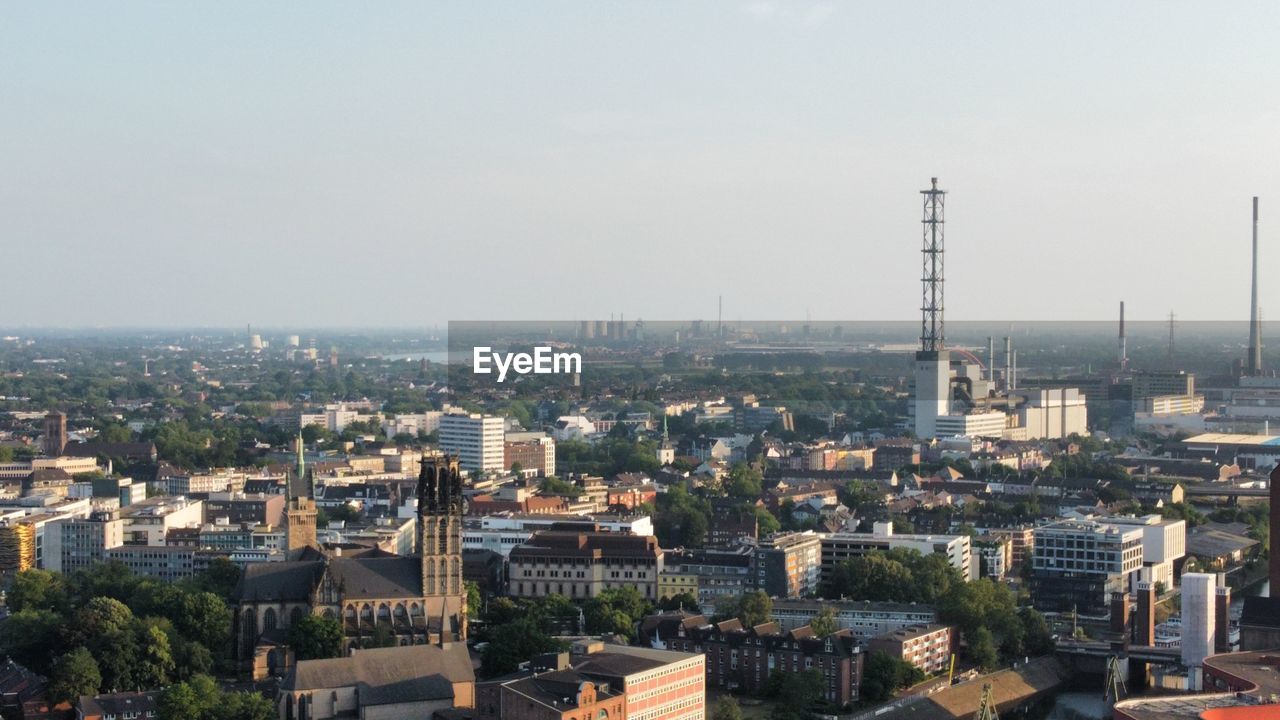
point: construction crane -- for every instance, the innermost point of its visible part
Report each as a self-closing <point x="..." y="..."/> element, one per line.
<point x="987" y="707"/>
<point x="951" y="671"/>
<point x="1113" y="690"/>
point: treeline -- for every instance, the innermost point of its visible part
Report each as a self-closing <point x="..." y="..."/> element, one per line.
<point x="107" y="630"/>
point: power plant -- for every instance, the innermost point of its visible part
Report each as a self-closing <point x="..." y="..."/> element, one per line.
<point x="954" y="395"/>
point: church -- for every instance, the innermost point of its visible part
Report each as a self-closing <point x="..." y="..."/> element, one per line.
<point x="421" y="599"/>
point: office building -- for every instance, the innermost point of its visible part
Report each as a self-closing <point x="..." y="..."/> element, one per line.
<point x="1079" y="564"/>
<point x="477" y="440"/>
<point x="74" y="544"/>
<point x="580" y="565"/>
<point x="502" y="533"/>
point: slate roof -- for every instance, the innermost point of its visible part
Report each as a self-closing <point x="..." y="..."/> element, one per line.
<point x="384" y="676"/>
<point x="287" y="581"/>
<point x="378" y="577"/>
<point x="360" y="577"/>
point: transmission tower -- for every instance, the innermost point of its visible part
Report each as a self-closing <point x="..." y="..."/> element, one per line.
<point x="932" y="335"/>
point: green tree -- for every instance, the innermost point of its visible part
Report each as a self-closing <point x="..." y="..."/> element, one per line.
<point x="1037" y="637"/>
<point x="754" y="608"/>
<point x="37" y="590"/>
<point x="205" y="618"/>
<point x="102" y="616"/>
<point x="220" y="578"/>
<point x="315" y="636"/>
<point x="383" y="636"/>
<point x="883" y="675"/>
<point x="874" y="576"/>
<point x="245" y="706"/>
<point x="727" y="709"/>
<point x="513" y="643"/>
<point x="473" y="598"/>
<point x="179" y="702"/>
<point x="982" y="648"/>
<point x="824" y="623"/>
<point x="32" y="638"/>
<point x="795" y="693"/>
<point x="73" y="675"/>
<point x="155" y="657"/>
<point x="680" y="601"/>
<point x="744" y="482"/>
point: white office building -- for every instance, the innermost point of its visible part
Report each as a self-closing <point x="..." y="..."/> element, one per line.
<point x="475" y="439"/>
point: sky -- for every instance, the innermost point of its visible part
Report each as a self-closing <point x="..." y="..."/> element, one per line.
<point x="407" y="164"/>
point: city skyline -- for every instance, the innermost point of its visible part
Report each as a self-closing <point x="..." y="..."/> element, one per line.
<point x="325" y="165"/>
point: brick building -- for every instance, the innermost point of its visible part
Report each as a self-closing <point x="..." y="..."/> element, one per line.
<point x="741" y="659"/>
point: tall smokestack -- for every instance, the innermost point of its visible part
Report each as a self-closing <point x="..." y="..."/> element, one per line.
<point x="1124" y="353"/>
<point x="1013" y="371"/>
<point x="1254" y="364"/>
<point x="991" y="358"/>
<point x="1008" y="361"/>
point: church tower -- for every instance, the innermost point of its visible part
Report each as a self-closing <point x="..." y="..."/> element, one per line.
<point x="440" y="542"/>
<point x="300" y="509"/>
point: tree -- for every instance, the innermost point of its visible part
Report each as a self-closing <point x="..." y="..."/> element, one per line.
<point x="513" y="643"/>
<point x="383" y="636"/>
<point x="32" y="638"/>
<point x="727" y="709"/>
<point x="679" y="601"/>
<point x="873" y="576"/>
<point x="205" y="618"/>
<point x="795" y="693"/>
<point x="103" y="616"/>
<point x="744" y="482"/>
<point x="982" y="648"/>
<point x="155" y="657"/>
<point x="179" y="701"/>
<point x="245" y="706"/>
<point x="884" y="674"/>
<point x="220" y="578"/>
<point x="1037" y="637"/>
<point x="824" y="623"/>
<point x="73" y="675"/>
<point x="753" y="608"/>
<point x="315" y="637"/>
<point x="473" y="598"/>
<point x="37" y="590"/>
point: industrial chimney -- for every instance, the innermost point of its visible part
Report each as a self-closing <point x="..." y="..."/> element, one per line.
<point x="1253" y="365"/>
<point x="1124" y="354"/>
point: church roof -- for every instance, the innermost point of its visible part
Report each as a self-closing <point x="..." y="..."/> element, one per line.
<point x="359" y="578"/>
<point x="411" y="673"/>
<point x="286" y="581"/>
<point x="378" y="577"/>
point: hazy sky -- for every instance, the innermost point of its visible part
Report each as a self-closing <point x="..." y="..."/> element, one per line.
<point x="410" y="163"/>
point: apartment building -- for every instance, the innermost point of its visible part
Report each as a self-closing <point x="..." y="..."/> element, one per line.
<point x="839" y="547"/>
<point x="927" y="647"/>
<point x="502" y="533"/>
<point x="742" y="659"/>
<point x="535" y="453"/>
<point x="864" y="618"/>
<point x="788" y="564"/>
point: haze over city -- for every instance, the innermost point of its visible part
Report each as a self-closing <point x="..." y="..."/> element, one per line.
<point x="328" y="164"/>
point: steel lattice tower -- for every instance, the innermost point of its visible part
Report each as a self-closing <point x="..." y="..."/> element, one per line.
<point x="932" y="334"/>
